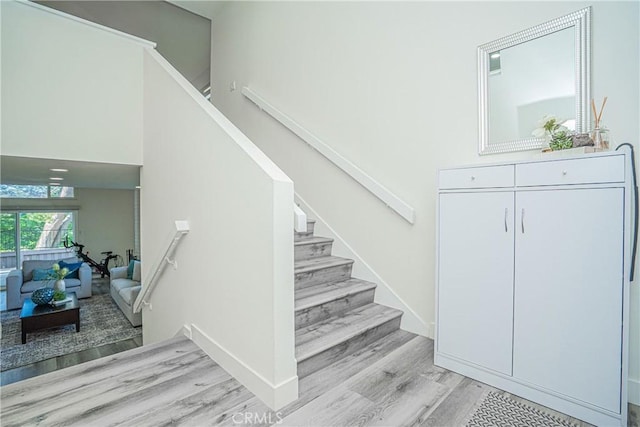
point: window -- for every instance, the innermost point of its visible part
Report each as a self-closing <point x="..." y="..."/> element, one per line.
<point x="24" y="191"/>
<point x="59" y="192"/>
<point x="34" y="235"/>
<point x="45" y="231"/>
<point x="35" y="191"/>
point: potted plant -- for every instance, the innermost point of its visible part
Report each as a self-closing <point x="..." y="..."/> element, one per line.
<point x="558" y="136"/>
<point x="59" y="274"/>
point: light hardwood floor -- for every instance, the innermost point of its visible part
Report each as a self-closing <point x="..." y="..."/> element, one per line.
<point x="391" y="382"/>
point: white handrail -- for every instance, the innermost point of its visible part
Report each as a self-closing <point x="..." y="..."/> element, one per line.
<point x="182" y="228"/>
<point x="391" y="200"/>
<point x="299" y="219"/>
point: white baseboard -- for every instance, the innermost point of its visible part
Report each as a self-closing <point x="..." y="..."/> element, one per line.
<point x="186" y="331"/>
<point x="384" y="293"/>
<point x="634" y="392"/>
<point x="275" y="396"/>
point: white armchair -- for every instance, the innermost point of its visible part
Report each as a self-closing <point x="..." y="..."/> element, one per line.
<point x="124" y="291"/>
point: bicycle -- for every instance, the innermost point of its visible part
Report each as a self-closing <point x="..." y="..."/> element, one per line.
<point x="101" y="267"/>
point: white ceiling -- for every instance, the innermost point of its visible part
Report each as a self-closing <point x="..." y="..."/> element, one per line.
<point x="206" y="8"/>
<point x="24" y="170"/>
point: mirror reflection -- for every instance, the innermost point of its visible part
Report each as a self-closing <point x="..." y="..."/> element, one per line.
<point x="530" y="81"/>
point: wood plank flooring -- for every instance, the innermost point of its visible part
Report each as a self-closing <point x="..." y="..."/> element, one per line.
<point x="49" y="365"/>
<point x="391" y="382"/>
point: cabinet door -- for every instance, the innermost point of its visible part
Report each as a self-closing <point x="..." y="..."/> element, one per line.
<point x="475" y="290"/>
<point x="568" y="293"/>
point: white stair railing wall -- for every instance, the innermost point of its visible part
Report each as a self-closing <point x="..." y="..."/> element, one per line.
<point x="233" y="291"/>
<point x="234" y="288"/>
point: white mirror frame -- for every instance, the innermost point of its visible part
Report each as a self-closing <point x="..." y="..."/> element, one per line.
<point x="581" y="22"/>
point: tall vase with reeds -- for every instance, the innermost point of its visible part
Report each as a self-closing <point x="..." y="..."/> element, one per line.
<point x="599" y="134"/>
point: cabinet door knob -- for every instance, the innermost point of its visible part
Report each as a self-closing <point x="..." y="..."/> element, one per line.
<point x="564" y="173"/>
<point x="473" y="178"/>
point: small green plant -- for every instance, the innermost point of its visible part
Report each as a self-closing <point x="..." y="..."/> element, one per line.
<point x="560" y="140"/>
<point x="559" y="136"/>
<point x="59" y="295"/>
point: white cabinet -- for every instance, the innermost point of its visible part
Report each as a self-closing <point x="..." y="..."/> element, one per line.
<point x="568" y="293"/>
<point x="475" y="280"/>
<point x="532" y="283"/>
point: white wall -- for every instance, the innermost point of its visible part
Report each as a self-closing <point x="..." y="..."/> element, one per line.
<point x="104" y="221"/>
<point x="182" y="37"/>
<point x="58" y="107"/>
<point x="392" y="86"/>
<point x="234" y="285"/>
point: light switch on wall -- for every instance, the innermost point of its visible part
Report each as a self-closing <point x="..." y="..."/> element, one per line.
<point x="232" y="86"/>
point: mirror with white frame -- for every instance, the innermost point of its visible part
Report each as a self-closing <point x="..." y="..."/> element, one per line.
<point x="522" y="78"/>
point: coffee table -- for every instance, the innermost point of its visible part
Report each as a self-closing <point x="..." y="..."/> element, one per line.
<point x="38" y="317"/>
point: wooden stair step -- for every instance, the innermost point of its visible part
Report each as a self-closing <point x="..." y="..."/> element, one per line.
<point x="319" y="302"/>
<point x="322" y="343"/>
<point x="312" y="247"/>
<point x="329" y="269"/>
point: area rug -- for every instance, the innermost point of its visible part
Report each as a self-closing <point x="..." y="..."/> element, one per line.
<point x="499" y="410"/>
<point x="101" y="322"/>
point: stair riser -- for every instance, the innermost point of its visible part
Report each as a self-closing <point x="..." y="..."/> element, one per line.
<point x="312" y="251"/>
<point x="310" y="229"/>
<point x="323" y="275"/>
<point x="301" y="236"/>
<point x="332" y="308"/>
<point x="346" y="348"/>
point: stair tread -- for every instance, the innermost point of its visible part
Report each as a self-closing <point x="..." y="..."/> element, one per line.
<point x="312" y="240"/>
<point x="327" y="292"/>
<point x="312" y="264"/>
<point x="318" y="337"/>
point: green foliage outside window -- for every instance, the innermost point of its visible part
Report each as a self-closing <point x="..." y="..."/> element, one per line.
<point x="7" y="233"/>
<point x="37" y="230"/>
<point x="24" y="191"/>
<point x="35" y="191"/>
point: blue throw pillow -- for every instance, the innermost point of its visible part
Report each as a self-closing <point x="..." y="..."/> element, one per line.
<point x="130" y="269"/>
<point x="72" y="267"/>
<point x="43" y="274"/>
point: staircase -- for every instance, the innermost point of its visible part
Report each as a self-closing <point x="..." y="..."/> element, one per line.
<point x="335" y="313"/>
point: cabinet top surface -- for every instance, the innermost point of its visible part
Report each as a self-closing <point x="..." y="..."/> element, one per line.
<point x="540" y="158"/>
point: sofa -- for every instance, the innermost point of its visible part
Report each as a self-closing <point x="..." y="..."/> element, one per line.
<point x="125" y="287"/>
<point x="20" y="283"/>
